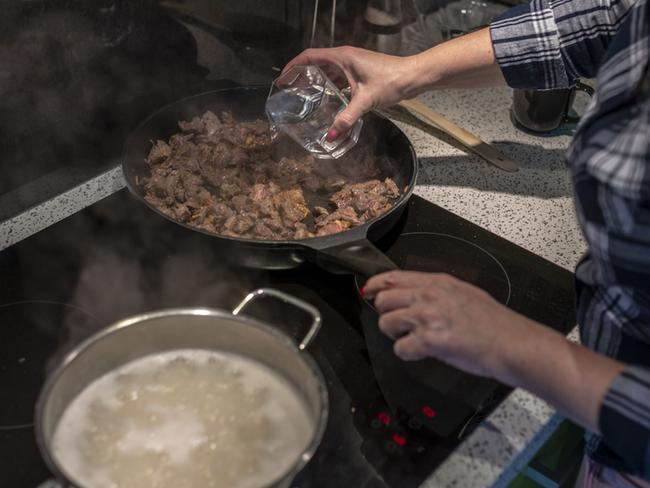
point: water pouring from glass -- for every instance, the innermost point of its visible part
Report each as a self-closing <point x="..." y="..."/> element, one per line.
<point x="303" y="103"/>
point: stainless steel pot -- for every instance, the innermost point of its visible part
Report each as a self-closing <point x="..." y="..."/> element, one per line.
<point x="191" y="328"/>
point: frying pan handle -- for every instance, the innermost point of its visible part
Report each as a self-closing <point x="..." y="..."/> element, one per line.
<point x="360" y="257"/>
<point x="316" y="318"/>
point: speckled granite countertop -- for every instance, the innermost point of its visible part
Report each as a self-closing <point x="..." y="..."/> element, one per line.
<point x="532" y="208"/>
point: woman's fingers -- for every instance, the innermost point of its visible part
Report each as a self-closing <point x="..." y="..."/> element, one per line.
<point x="358" y="106"/>
<point x="410" y="348"/>
<point x="397" y="323"/>
<point x="399" y="279"/>
<point x="389" y="300"/>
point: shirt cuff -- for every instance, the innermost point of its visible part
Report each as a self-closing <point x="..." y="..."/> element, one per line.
<point x="625" y="419"/>
<point x="527" y="48"/>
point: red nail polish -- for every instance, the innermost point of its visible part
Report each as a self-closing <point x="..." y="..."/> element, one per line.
<point x="362" y="291"/>
<point x="332" y="135"/>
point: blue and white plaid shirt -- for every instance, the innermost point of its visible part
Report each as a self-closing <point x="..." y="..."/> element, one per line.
<point x="550" y="44"/>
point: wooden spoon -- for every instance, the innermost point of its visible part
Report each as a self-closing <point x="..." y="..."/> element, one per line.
<point x="467" y="139"/>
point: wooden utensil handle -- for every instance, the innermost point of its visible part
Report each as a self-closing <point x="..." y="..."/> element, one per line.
<point x="466" y="138"/>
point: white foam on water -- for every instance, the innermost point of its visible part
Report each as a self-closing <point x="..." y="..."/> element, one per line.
<point x="186" y="418"/>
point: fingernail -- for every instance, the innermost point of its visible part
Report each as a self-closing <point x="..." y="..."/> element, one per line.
<point x="362" y="291"/>
<point x="332" y="135"/>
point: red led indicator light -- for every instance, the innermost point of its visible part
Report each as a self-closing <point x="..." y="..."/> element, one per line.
<point x="399" y="440"/>
<point x="428" y="411"/>
<point x="384" y="418"/>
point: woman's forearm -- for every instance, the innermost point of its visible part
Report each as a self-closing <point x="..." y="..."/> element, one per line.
<point x="464" y="62"/>
<point x="379" y="80"/>
<point x="571" y="377"/>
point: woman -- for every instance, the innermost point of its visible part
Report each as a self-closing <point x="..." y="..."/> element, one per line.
<point x="604" y="385"/>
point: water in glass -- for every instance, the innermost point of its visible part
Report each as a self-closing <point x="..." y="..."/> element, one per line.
<point x="304" y="107"/>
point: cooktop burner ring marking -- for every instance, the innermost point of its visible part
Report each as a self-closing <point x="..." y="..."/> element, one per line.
<point x="505" y="273"/>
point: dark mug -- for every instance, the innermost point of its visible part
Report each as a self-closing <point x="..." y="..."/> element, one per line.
<point x="545" y="110"/>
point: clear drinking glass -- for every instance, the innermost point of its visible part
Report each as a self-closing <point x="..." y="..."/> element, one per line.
<point x="303" y="104"/>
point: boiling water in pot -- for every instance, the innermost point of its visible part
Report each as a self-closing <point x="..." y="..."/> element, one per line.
<point x="186" y="418"/>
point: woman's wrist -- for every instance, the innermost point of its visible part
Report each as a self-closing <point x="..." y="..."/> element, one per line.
<point x="527" y="348"/>
<point x="464" y="62"/>
<point x="569" y="376"/>
<point x="412" y="77"/>
<point x="515" y="347"/>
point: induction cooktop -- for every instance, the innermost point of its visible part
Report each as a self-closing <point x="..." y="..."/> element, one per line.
<point x="391" y="423"/>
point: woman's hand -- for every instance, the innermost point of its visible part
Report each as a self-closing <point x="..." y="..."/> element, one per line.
<point x="437" y="315"/>
<point x="440" y="316"/>
<point x="376" y="80"/>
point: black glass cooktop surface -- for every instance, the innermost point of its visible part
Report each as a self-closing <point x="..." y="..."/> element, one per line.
<point x="117" y="258"/>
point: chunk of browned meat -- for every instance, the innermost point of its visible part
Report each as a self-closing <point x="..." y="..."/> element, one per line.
<point x="211" y="123"/>
<point x="261" y="192"/>
<point x="230" y="190"/>
<point x="238" y="224"/>
<point x="194" y="125"/>
<point x="369" y="199"/>
<point x="165" y="184"/>
<point x="159" y="153"/>
<point x="301" y="232"/>
<point x="180" y="143"/>
<point x="240" y="203"/>
<point x="252" y="135"/>
<point x="332" y="228"/>
<point x="182" y="213"/>
<point x="262" y="231"/>
<point x="223" y="211"/>
<point x="345" y="214"/>
<point x="207" y="124"/>
<point x="292" y="205"/>
<point x="339" y="220"/>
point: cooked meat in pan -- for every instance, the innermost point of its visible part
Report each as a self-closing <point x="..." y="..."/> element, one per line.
<point x="226" y="177"/>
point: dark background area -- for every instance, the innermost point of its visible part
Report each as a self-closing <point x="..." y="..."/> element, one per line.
<point x="78" y="75"/>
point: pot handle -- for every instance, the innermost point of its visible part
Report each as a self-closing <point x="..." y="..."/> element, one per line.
<point x="291" y="300"/>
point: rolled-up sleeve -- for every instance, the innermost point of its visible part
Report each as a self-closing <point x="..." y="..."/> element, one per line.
<point x="550" y="44"/>
<point x="625" y="419"/>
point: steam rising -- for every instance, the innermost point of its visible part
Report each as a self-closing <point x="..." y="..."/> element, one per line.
<point x="116" y="259"/>
<point x="74" y="81"/>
